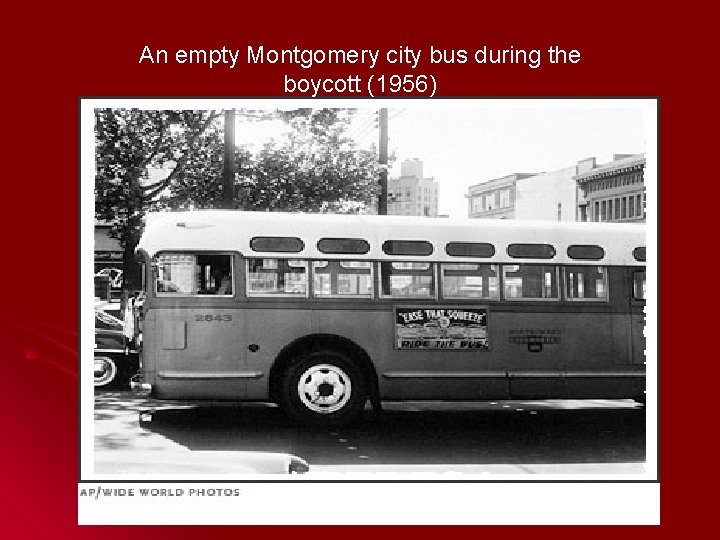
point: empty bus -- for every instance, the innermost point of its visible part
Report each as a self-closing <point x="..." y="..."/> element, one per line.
<point x="321" y="313"/>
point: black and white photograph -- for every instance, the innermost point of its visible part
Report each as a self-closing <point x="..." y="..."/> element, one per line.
<point x="314" y="292"/>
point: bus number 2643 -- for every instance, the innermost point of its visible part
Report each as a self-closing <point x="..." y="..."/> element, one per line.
<point x="213" y="318"/>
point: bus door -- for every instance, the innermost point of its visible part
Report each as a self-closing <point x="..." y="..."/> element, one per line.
<point x="637" y="315"/>
<point x="200" y="330"/>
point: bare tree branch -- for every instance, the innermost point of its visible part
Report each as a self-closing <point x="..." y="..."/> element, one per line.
<point x="151" y="190"/>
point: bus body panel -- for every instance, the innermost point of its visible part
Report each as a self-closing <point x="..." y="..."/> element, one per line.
<point x="197" y="352"/>
<point x="579" y="354"/>
<point x="271" y="328"/>
<point x="570" y="359"/>
<point x="199" y="347"/>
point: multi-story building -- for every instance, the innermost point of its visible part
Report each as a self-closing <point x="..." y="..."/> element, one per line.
<point x="494" y="198"/>
<point x="613" y="191"/>
<point x="548" y="196"/>
<point x="411" y="194"/>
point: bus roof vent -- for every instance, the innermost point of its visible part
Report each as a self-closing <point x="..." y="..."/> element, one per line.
<point x="407" y="247"/>
<point x="470" y="249"/>
<point x="585" y="253"/>
<point x="277" y="244"/>
<point x="531" y="251"/>
<point x="355" y="246"/>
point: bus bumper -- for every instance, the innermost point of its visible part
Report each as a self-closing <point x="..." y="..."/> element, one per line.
<point x="139" y="386"/>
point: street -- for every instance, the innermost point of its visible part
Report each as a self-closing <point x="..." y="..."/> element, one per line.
<point x="507" y="437"/>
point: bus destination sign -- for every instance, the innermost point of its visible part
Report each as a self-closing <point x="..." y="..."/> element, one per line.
<point x="445" y="328"/>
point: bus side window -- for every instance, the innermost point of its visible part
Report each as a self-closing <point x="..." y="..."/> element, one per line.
<point x="530" y="281"/>
<point x="342" y="278"/>
<point x="407" y="279"/>
<point x="470" y="281"/>
<point x="639" y="285"/>
<point x="193" y="274"/>
<point x="276" y="277"/>
<point x="175" y="273"/>
<point x="586" y="283"/>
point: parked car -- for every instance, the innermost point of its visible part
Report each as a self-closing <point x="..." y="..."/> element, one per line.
<point x="116" y="358"/>
<point x="197" y="463"/>
<point x="114" y="274"/>
<point x="110" y="307"/>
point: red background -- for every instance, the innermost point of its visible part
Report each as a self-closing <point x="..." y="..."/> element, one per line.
<point x="52" y="56"/>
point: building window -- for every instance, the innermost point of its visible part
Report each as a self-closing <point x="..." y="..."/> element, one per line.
<point x="624" y="207"/>
<point x="631" y="207"/>
<point x="617" y="208"/>
<point x="505" y="198"/>
<point x="490" y="202"/>
<point x="596" y="214"/>
<point x="610" y="209"/>
<point x="638" y="205"/>
<point x="603" y="213"/>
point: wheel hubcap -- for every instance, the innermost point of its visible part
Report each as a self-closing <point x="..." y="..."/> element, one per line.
<point x="324" y="388"/>
<point x="104" y="371"/>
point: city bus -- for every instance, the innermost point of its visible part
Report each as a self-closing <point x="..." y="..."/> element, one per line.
<point x="322" y="314"/>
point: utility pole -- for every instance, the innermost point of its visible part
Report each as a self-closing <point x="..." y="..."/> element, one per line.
<point x="383" y="158"/>
<point x="228" y="176"/>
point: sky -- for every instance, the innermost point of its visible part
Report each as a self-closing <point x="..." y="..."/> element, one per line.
<point x="465" y="142"/>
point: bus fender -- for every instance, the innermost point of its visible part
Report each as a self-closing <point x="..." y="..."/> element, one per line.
<point x="327" y="341"/>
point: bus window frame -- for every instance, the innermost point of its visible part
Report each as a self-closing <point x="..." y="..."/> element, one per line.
<point x="497" y="297"/>
<point x="314" y="296"/>
<point x="606" y="283"/>
<point x="558" y="275"/>
<point x="381" y="294"/>
<point x="254" y="295"/>
<point x="637" y="270"/>
<point x="163" y="294"/>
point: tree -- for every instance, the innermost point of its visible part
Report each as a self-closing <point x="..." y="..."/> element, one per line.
<point x="127" y="142"/>
<point x="316" y="168"/>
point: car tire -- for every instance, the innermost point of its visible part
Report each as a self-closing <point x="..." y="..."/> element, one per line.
<point x="323" y="388"/>
<point x="106" y="372"/>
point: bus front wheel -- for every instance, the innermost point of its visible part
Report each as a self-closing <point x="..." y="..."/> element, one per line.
<point x="323" y="388"/>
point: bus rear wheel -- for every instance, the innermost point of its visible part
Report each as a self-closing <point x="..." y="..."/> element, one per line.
<point x="323" y="388"/>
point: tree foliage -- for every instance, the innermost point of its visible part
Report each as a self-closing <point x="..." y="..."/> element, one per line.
<point x="315" y="167"/>
<point x="127" y="142"/>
